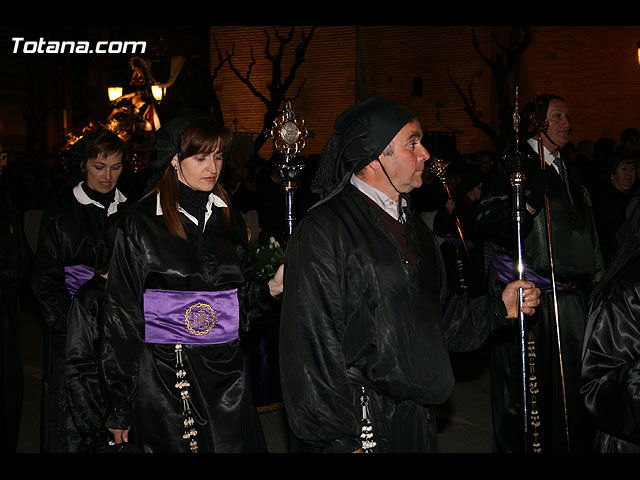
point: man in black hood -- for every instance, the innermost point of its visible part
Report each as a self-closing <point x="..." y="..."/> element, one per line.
<point x="367" y="319"/>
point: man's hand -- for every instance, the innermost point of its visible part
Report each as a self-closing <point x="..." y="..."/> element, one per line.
<point x="276" y="283"/>
<point x="120" y="436"/>
<point x="530" y="298"/>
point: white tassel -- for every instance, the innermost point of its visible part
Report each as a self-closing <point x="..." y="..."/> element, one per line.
<point x="367" y="430"/>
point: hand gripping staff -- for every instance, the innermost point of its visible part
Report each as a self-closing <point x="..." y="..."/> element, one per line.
<point x="531" y="416"/>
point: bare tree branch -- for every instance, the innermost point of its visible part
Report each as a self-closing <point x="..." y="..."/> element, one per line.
<point x="503" y="66"/>
<point x="278" y="85"/>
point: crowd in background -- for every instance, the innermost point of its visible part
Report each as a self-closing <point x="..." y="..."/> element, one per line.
<point x="608" y="168"/>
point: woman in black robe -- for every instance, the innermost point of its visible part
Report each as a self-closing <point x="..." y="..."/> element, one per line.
<point x="180" y="287"/>
<point x="75" y="226"/>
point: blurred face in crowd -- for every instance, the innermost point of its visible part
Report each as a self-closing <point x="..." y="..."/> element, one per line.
<point x="200" y="171"/>
<point x="624" y="177"/>
<point x="103" y="172"/>
<point x="559" y="126"/>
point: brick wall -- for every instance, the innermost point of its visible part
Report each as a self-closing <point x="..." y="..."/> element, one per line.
<point x="594" y="67"/>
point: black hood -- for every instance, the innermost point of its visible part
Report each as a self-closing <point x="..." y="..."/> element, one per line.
<point x="360" y="135"/>
<point x="169" y="139"/>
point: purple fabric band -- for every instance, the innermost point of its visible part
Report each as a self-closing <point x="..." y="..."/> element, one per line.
<point x="75" y="276"/>
<point x="202" y="318"/>
<point x="503" y="268"/>
<point x="456" y="240"/>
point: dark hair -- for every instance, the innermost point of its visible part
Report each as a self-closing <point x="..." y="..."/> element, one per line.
<point x="539" y="107"/>
<point x="204" y="135"/>
<point x="102" y="142"/>
<point x="628" y="133"/>
<point x="619" y="159"/>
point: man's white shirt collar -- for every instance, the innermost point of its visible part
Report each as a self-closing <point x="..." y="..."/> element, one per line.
<point x="387" y="204"/>
<point x="213" y="200"/>
<point x="548" y="156"/>
<point x="84" y="199"/>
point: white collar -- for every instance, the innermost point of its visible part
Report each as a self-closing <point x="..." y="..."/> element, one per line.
<point x="383" y="200"/>
<point x="84" y="199"/>
<point x="548" y="156"/>
<point x="213" y="200"/>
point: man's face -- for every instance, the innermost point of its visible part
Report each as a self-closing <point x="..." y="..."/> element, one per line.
<point x="406" y="164"/>
<point x="559" y="125"/>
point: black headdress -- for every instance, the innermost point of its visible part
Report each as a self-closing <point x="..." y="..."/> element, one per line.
<point x="361" y="133"/>
<point x="169" y="142"/>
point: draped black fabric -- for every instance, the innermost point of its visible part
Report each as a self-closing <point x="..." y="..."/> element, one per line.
<point x="356" y="312"/>
<point x="611" y="358"/>
<point x="139" y="377"/>
<point x="15" y="269"/>
<point x="71" y="233"/>
<point x="577" y="264"/>
<point x="86" y="400"/>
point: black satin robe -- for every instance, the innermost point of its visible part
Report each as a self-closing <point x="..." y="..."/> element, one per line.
<point x="139" y="377"/>
<point x="360" y="311"/>
<point x="71" y="233"/>
<point x="15" y="268"/>
<point x="577" y="261"/>
<point x="84" y="392"/>
<point x="611" y="362"/>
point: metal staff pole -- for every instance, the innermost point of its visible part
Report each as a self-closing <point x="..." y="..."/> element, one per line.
<point x="289" y="133"/>
<point x="541" y="124"/>
<point x="526" y="338"/>
<point x="438" y="168"/>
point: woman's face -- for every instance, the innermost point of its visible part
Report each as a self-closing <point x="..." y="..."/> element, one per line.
<point x="624" y="176"/>
<point x="103" y="172"/>
<point x="200" y="171"/>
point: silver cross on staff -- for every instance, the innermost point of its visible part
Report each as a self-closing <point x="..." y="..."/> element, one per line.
<point x="289" y="133"/>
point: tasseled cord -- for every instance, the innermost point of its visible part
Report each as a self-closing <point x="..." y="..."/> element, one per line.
<point x="182" y="385"/>
<point x="367" y="430"/>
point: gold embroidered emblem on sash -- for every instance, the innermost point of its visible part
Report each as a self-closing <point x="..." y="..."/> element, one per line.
<point x="200" y="318"/>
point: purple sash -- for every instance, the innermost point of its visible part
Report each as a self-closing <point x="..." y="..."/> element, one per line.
<point x="75" y="276"/>
<point x="202" y="318"/>
<point x="503" y="268"/>
<point x="456" y="240"/>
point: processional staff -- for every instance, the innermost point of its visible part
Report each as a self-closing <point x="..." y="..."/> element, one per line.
<point x="289" y="133"/>
<point x="541" y="124"/>
<point x="438" y="168"/>
<point x="531" y="416"/>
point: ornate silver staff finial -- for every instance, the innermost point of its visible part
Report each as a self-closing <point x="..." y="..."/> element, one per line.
<point x="289" y="134"/>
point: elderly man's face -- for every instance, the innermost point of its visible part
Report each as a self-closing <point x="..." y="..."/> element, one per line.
<point x="559" y="125"/>
<point x="406" y="164"/>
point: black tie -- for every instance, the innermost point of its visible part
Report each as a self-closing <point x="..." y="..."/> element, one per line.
<point x="563" y="174"/>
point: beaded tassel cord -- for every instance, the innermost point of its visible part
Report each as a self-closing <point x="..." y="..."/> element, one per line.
<point x="182" y="384"/>
<point x="367" y="430"/>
